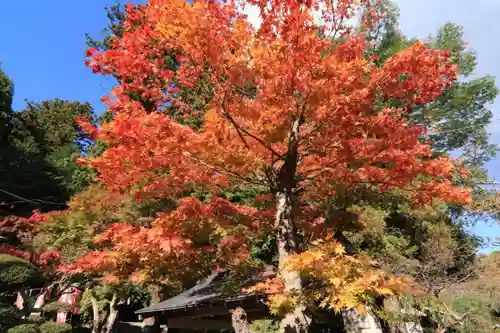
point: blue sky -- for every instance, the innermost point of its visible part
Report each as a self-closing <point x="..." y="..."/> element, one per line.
<point x="422" y="17"/>
<point x="42" y="49"/>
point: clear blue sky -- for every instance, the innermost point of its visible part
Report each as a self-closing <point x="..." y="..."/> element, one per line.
<point x="42" y="47"/>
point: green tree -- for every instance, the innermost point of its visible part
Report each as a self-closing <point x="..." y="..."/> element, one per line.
<point x="6" y="95"/>
<point x="40" y="146"/>
<point x="116" y="17"/>
<point x="49" y="129"/>
<point x="456" y="120"/>
<point x="27" y="181"/>
<point x="25" y="328"/>
<point x="433" y="245"/>
<point x="52" y="327"/>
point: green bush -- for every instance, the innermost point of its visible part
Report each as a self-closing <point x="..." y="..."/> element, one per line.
<point x="479" y="316"/>
<point x="56" y="306"/>
<point x="471" y="303"/>
<point x="9" y="316"/>
<point x="265" y="326"/>
<point x="35" y="319"/>
<point x="17" y="273"/>
<point x="25" y="328"/>
<point x="53" y="327"/>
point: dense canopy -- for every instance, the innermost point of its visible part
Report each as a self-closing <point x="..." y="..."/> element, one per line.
<point x="318" y="142"/>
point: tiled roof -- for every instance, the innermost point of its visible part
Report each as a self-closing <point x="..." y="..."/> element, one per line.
<point x="205" y="291"/>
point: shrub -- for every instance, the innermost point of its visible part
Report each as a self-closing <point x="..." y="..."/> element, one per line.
<point x="479" y="317"/>
<point x="17" y="273"/>
<point x="9" y="316"/>
<point x="471" y="303"/>
<point x="25" y="328"/>
<point x="265" y="326"/>
<point x="35" y="319"/>
<point x="53" y="327"/>
<point x="56" y="306"/>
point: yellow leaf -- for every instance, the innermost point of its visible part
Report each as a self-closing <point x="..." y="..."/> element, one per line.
<point x="384" y="291"/>
<point x="361" y="309"/>
<point x="337" y="307"/>
<point x="323" y="304"/>
<point x="335" y="282"/>
<point x="339" y="249"/>
<point x="220" y="231"/>
<point x="348" y="300"/>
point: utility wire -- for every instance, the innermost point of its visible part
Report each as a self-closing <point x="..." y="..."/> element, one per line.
<point x="33" y="201"/>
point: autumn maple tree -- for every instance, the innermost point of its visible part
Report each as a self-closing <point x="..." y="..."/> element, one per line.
<point x="17" y="235"/>
<point x="291" y="112"/>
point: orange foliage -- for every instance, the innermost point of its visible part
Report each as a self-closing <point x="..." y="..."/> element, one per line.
<point x="330" y="89"/>
<point x="315" y="106"/>
<point x="190" y="240"/>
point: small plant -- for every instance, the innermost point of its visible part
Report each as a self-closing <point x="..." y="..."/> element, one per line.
<point x="25" y="328"/>
<point x="57" y="306"/>
<point x="265" y="326"/>
<point x="9" y="315"/>
<point x="36" y="319"/>
<point x="17" y="273"/>
<point x="53" y="327"/>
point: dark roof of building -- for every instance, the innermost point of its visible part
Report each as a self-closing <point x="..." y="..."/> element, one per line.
<point x="212" y="288"/>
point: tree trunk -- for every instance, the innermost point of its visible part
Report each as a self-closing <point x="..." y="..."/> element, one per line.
<point x="358" y="323"/>
<point x="39" y="303"/>
<point x="297" y="321"/>
<point x="113" y="314"/>
<point x="96" y="323"/>
<point x="240" y="322"/>
<point x="150" y="324"/>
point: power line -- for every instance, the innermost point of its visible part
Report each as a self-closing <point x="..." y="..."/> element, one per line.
<point x="33" y="201"/>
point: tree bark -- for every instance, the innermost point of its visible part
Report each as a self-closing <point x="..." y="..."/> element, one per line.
<point x="239" y="321"/>
<point x="150" y="324"/>
<point x="96" y="323"/>
<point x="297" y="321"/>
<point x="113" y="314"/>
<point x="361" y="323"/>
<point x="105" y="321"/>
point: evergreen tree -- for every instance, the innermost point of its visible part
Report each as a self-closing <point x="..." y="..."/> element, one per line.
<point x="39" y="151"/>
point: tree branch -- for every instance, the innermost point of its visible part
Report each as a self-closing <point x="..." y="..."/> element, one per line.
<point x="221" y="169"/>
<point x="240" y="129"/>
